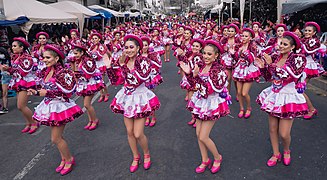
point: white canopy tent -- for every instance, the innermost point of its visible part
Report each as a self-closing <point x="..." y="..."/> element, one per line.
<point x="76" y="9"/>
<point x="113" y="12"/>
<point x="36" y="12"/>
<point x="131" y="14"/>
<point x="290" y="6"/>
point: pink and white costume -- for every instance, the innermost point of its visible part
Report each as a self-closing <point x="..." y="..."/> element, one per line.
<point x="245" y="69"/>
<point x="226" y="58"/>
<point x="57" y="108"/>
<point x="155" y="74"/>
<point x="134" y="100"/>
<point x="89" y="78"/>
<point x="97" y="52"/>
<point x="311" y="46"/>
<point x="23" y="76"/>
<point x="209" y="100"/>
<point x="284" y="99"/>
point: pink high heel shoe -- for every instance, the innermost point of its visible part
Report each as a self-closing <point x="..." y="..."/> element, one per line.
<point x="26" y="128"/>
<point x="207" y="164"/>
<point x="314" y="113"/>
<point x="147" y="121"/>
<point x="68" y="170"/>
<point x="241" y="113"/>
<point x="88" y="125"/>
<point x="61" y="166"/>
<point x="100" y="99"/>
<point x="194" y="125"/>
<point x="94" y="125"/>
<point x="287" y="161"/>
<point x="153" y="122"/>
<point x="272" y="163"/>
<point x="147" y="165"/>
<point x="135" y="167"/>
<point x="34" y="128"/>
<point x="247" y="115"/>
<point x="215" y="169"/>
<point x="106" y="98"/>
<point x="191" y="122"/>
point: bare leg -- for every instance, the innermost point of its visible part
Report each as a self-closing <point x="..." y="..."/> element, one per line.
<point x="59" y="141"/>
<point x="129" y="124"/>
<point x="239" y="86"/>
<point x="245" y="93"/>
<point x="22" y="106"/>
<point x="229" y="78"/>
<point x="309" y="103"/>
<point x="5" y="95"/>
<point x="285" y="126"/>
<point x="89" y="108"/>
<point x="205" y="130"/>
<point x="202" y="146"/>
<point x="140" y="136"/>
<point x="273" y="131"/>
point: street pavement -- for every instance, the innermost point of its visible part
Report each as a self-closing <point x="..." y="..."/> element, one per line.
<point x="104" y="153"/>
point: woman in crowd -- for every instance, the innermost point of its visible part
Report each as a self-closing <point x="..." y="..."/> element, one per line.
<point x="274" y="42"/>
<point x="38" y="49"/>
<point x="5" y="78"/>
<point x="230" y="43"/>
<point x="208" y="103"/>
<point x="23" y="78"/>
<point x="245" y="70"/>
<point x="57" y="109"/>
<point x="89" y="82"/>
<point x="155" y="75"/>
<point x="192" y="58"/>
<point x="167" y="34"/>
<point x="98" y="52"/>
<point x="310" y="47"/>
<point x="283" y="101"/>
<point x="135" y="101"/>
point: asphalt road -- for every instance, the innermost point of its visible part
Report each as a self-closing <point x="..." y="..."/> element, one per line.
<point x="105" y="154"/>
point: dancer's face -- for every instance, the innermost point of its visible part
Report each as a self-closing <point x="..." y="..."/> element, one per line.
<point x="209" y="55"/>
<point x="196" y="47"/>
<point x="231" y="32"/>
<point x="255" y="28"/>
<point x="285" y="46"/>
<point x="49" y="58"/>
<point x="42" y="39"/>
<point x="246" y="37"/>
<point x="95" y="39"/>
<point x="309" y="32"/>
<point x="280" y="31"/>
<point x="131" y="49"/>
<point x="16" y="49"/>
<point x="145" y="46"/>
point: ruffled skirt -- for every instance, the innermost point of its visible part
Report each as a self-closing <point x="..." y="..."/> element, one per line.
<point x="19" y="83"/>
<point x="312" y="68"/>
<point x="101" y="66"/>
<point x="139" y="104"/>
<point x="209" y="109"/>
<point x="227" y="61"/>
<point x="90" y="87"/>
<point x="56" y="112"/>
<point x="287" y="103"/>
<point x="160" y="50"/>
<point x="167" y="41"/>
<point x="245" y="73"/>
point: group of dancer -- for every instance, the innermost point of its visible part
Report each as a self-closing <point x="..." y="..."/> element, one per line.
<point x="209" y="58"/>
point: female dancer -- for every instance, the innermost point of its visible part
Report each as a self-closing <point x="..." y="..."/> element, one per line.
<point x="155" y="75"/>
<point x="229" y="42"/>
<point x="157" y="42"/>
<point x="89" y="82"/>
<point x="258" y="37"/>
<point x="56" y="109"/>
<point x="167" y="34"/>
<point x="245" y="71"/>
<point x="273" y="43"/>
<point x="38" y="49"/>
<point x="284" y="100"/>
<point x="134" y="100"/>
<point x="208" y="103"/>
<point x="99" y="53"/>
<point x="310" y="46"/>
<point x="191" y="57"/>
<point x="22" y="79"/>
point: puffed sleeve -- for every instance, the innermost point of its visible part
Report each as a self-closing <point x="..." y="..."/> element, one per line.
<point x="65" y="84"/>
<point x="25" y="65"/>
